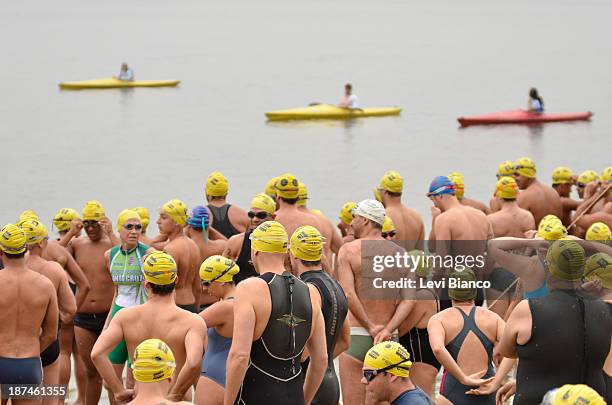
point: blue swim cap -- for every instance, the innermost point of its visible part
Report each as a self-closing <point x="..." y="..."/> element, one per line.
<point x="198" y="219"/>
<point x="441" y="185"/>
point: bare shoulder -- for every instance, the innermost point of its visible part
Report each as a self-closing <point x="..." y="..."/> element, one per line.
<point x="351" y="247"/>
<point x="252" y="285"/>
<point x="55" y="269"/>
<point x="237" y="210"/>
<point x="41" y="282"/>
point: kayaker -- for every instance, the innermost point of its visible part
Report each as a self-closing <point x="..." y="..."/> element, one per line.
<point x="535" y="103"/>
<point x="349" y="100"/>
<point x="126" y="73"/>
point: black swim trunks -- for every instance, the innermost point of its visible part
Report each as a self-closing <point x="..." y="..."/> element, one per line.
<point x="189" y="307"/>
<point x="416" y="341"/>
<point x="50" y="354"/>
<point x="91" y="322"/>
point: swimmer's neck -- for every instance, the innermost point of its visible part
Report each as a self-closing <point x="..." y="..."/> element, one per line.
<point x="161" y="299"/>
<point x="392" y="201"/>
<point x="373" y="233"/>
<point x="285" y="207"/>
<point x="177" y="232"/>
<point x="152" y="393"/>
<point x="14" y="264"/>
<point x="449" y="203"/>
<point x="509" y="205"/>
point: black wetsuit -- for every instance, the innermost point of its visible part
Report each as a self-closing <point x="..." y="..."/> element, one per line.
<point x="273" y="376"/>
<point x="244" y="260"/>
<point x="334" y="306"/>
<point x="570" y="340"/>
<point x="221" y="220"/>
<point x="416" y="341"/>
<point x="608" y="378"/>
<point x="450" y="387"/>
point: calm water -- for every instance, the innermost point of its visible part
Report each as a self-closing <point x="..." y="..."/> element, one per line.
<point x="436" y="59"/>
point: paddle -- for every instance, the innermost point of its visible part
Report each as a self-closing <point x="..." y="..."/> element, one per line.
<point x="599" y="197"/>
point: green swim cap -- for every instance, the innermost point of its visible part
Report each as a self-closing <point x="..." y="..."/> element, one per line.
<point x="566" y="260"/>
<point x="461" y="292"/>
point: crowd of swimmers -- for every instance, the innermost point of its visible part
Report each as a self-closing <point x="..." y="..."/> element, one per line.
<point x="260" y="306"/>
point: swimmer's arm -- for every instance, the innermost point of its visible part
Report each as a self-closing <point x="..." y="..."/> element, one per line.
<point x="75" y="229"/>
<point x="66" y="302"/>
<point x="216" y="315"/>
<point x="519" y="317"/>
<point x="232" y="247"/>
<point x="213" y="234"/>
<point x="518" y="265"/>
<point x="242" y="340"/>
<point x="77" y="275"/>
<point x="49" y="325"/>
<point x="401" y="313"/>
<point x="196" y="287"/>
<point x="317" y="349"/>
<point x="442" y="243"/>
<point x="344" y="340"/>
<point x="431" y="243"/>
<point x="437" y="335"/>
<point x="194" y="344"/>
<point x="109" y="338"/>
<point x="569" y="203"/>
<point x="336" y="242"/>
<point x="159" y="242"/>
<point x="347" y="281"/>
<point x="421" y="238"/>
<point x="592" y="247"/>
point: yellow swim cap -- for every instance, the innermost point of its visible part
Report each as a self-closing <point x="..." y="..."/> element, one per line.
<point x="377" y="195"/>
<point x="317" y="212"/>
<point x="525" y="167"/>
<point x="606" y="175"/>
<point x="307" y="243"/>
<point x="463" y="291"/>
<point x="599" y="266"/>
<point x="159" y="268"/>
<point x="34" y="230"/>
<point x="505" y="169"/>
<point x="302" y="194"/>
<point x="64" y="217"/>
<point x="390" y="357"/>
<point x="562" y="175"/>
<point x="27" y="214"/>
<point x="143" y="213"/>
<point x="125" y="216"/>
<point x="392" y="182"/>
<point x="587" y="177"/>
<point x="12" y="239"/>
<point x="422" y="265"/>
<point x="269" y="237"/>
<point x="566" y="260"/>
<point x="153" y="361"/>
<point x="287" y="186"/>
<point x="93" y="211"/>
<point x="599" y="231"/>
<point x="388" y="225"/>
<point x="271" y="187"/>
<point x="177" y="210"/>
<point x="578" y="394"/>
<point x="346" y="212"/>
<point x="218" y="268"/>
<point x="264" y="202"/>
<point x="506" y="188"/>
<point x="552" y="230"/>
<point x="216" y="185"/>
<point x="459" y="181"/>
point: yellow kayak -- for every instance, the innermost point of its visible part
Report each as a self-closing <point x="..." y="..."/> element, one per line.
<point x="322" y="111"/>
<point x="112" y="83"/>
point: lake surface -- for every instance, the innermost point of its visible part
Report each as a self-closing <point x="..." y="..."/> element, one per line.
<point x="436" y="59"/>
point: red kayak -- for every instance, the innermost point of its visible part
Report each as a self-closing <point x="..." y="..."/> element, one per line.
<point x="522" y="117"/>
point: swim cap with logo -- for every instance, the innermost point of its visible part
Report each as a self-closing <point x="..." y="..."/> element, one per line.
<point x="127" y="215"/>
<point x="587" y="177"/>
<point x="599" y="231"/>
<point x="525" y="167"/>
<point x="388" y="225"/>
<point x="302" y="194"/>
<point x="218" y="268"/>
<point x="423" y="266"/>
<point x="506" y="188"/>
<point x="599" y="266"/>
<point x="93" y="211"/>
<point x="552" y="230"/>
<point x="287" y="186"/>
<point x="565" y="260"/>
<point x="216" y="185"/>
<point x="63" y="219"/>
<point x="34" y="230"/>
<point x="177" y="210"/>
<point x="12" y="239"/>
<point x="28" y="214"/>
<point x="459" y="181"/>
<point x="271" y="187"/>
<point x="346" y="212"/>
<point x="143" y="213"/>
<point x="578" y="394"/>
<point x="462" y="292"/>
<point x="159" y="268"/>
<point x="562" y="175"/>
<point x="441" y="185"/>
<point x="372" y="210"/>
<point x="198" y="218"/>
<point x="606" y="175"/>
<point x="387" y="354"/>
<point x="392" y="181"/>
<point x="153" y="361"/>
<point x="505" y="169"/>
<point x="307" y="243"/>
<point x="264" y="202"/>
<point x="269" y="237"/>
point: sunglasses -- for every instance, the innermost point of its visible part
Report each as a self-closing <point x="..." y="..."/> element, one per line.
<point x="129" y="227"/>
<point x="206" y="283"/>
<point x="580" y="185"/>
<point x="92" y="224"/>
<point x="260" y="214"/>
<point x="389" y="234"/>
<point x="369" y="375"/>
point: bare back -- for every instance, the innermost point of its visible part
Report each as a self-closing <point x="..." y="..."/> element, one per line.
<point x="423" y="308"/>
<point x="512" y="221"/>
<point x="475" y="204"/>
<point x="541" y="200"/>
<point x="409" y="225"/>
<point x="187" y="256"/>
